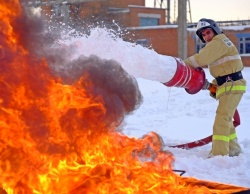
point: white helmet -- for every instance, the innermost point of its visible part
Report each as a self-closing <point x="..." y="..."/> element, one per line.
<point x="207" y="23"/>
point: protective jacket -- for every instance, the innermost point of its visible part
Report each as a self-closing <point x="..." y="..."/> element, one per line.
<point x="225" y="65"/>
<point x="222" y="58"/>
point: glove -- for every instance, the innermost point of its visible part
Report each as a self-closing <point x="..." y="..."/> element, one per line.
<point x="212" y="94"/>
<point x="212" y="89"/>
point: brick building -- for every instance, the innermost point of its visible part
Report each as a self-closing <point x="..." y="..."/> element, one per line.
<point x="164" y="39"/>
<point x="147" y="26"/>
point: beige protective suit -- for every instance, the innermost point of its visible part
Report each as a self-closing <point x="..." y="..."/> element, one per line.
<point x="222" y="58"/>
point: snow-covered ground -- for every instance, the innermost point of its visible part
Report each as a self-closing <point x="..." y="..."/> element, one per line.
<point x="175" y="115"/>
<point x="180" y="118"/>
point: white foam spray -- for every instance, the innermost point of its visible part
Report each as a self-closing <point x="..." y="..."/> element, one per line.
<point x="138" y="61"/>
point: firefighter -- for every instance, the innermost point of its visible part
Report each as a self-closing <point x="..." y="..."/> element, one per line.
<point x="225" y="65"/>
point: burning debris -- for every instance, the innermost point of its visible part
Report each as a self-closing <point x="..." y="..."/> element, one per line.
<point x="58" y="128"/>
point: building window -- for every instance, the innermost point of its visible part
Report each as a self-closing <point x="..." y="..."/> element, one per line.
<point x="61" y="10"/>
<point x="149" y="22"/>
<point x="243" y="43"/>
<point x="57" y="10"/>
<point x="149" y="19"/>
<point x="143" y="42"/>
<point x="199" y="44"/>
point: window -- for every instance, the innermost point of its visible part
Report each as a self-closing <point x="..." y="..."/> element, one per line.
<point x="149" y="19"/>
<point x="199" y="44"/>
<point x="57" y="9"/>
<point x="243" y="43"/>
<point x="60" y="10"/>
<point x="143" y="42"/>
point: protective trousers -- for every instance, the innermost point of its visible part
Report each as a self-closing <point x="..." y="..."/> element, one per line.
<point x="224" y="135"/>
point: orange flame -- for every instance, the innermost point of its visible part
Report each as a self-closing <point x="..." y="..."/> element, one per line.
<point x="54" y="138"/>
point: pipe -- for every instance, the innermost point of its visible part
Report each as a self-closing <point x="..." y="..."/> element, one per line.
<point x="187" y="77"/>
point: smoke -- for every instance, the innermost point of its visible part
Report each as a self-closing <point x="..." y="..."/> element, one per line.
<point x="119" y="90"/>
<point x="32" y="33"/>
<point x="105" y="78"/>
<point x="100" y="77"/>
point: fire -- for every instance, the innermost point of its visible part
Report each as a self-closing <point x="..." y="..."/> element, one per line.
<point x="62" y="138"/>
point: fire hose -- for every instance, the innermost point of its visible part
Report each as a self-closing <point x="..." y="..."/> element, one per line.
<point x="193" y="80"/>
<point x="208" y="139"/>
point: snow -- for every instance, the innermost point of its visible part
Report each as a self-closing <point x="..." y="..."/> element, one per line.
<point x="178" y="117"/>
<point x="181" y="118"/>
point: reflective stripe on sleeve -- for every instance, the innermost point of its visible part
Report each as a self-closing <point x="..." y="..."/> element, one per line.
<point x="193" y="61"/>
<point x="224" y="59"/>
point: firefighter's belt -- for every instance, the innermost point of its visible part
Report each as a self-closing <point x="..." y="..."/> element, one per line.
<point x="230" y="77"/>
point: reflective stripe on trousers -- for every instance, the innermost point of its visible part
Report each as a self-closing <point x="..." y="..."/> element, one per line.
<point x="226" y="89"/>
<point x="225" y="138"/>
<point x="223" y="130"/>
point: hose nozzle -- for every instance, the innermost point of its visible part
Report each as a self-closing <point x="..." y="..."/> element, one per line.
<point x="186" y="77"/>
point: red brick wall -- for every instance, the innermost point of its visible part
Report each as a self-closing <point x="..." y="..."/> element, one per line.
<point x="89" y="8"/>
<point x="246" y="61"/>
<point x="46" y="11"/>
<point x="125" y="3"/>
<point x="164" y="40"/>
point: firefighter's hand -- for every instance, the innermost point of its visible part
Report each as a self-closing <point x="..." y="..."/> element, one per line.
<point x="212" y="90"/>
<point x="213" y="95"/>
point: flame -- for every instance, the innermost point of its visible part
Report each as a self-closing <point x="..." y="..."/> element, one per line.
<point x="57" y="138"/>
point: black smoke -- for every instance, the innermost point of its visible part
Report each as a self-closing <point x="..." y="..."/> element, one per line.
<point x="108" y="79"/>
<point x="118" y="89"/>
